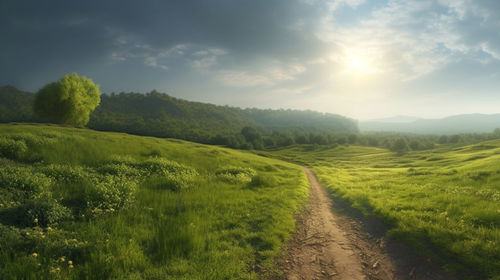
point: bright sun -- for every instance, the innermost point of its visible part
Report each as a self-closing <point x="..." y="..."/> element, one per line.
<point x="359" y="65"/>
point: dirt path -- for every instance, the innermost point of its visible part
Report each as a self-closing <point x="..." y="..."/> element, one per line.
<point x="334" y="245"/>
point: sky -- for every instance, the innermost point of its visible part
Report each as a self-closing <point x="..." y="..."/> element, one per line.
<point x="363" y="59"/>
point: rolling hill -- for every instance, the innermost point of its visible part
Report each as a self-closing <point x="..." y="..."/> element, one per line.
<point x="83" y="204"/>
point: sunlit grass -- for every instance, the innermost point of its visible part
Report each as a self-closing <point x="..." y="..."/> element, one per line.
<point x="185" y="219"/>
<point x="444" y="202"/>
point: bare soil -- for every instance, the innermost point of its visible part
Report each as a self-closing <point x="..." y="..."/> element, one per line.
<point x="334" y="241"/>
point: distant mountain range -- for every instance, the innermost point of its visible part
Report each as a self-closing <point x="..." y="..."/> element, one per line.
<point x="467" y="123"/>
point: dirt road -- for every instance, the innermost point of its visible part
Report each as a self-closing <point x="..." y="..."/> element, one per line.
<point x="334" y="242"/>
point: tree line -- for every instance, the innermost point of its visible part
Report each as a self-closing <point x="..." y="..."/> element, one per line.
<point x="72" y="100"/>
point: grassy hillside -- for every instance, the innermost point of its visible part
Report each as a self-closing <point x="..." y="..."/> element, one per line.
<point x="444" y="202"/>
<point x="81" y="204"/>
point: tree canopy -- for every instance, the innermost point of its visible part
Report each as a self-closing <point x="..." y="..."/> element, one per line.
<point x="69" y="100"/>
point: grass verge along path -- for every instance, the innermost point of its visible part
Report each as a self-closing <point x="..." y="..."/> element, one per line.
<point x="444" y="203"/>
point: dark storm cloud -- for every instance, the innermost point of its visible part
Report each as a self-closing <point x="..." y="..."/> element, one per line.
<point x="353" y="57"/>
<point x="45" y="36"/>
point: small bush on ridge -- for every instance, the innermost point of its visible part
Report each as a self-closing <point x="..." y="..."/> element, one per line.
<point x="12" y="149"/>
<point x="233" y="174"/>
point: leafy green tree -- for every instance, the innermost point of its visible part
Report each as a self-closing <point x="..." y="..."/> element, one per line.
<point x="69" y="100"/>
<point x="415" y="145"/>
<point x="400" y="145"/>
<point x="252" y="136"/>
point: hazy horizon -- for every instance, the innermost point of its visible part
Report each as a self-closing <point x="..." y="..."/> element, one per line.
<point x="361" y="59"/>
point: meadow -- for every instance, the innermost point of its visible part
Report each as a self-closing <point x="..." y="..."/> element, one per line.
<point x="81" y="204"/>
<point x="444" y="202"/>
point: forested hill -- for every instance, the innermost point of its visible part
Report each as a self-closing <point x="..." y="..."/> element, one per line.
<point x="158" y="114"/>
<point x="16" y="105"/>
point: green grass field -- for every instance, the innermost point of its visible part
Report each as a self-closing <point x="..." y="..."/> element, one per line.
<point x="81" y="204"/>
<point x="444" y="202"/>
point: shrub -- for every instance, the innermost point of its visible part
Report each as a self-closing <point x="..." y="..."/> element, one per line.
<point x="21" y="183"/>
<point x="32" y="139"/>
<point x="64" y="173"/>
<point x="235" y="174"/>
<point x="109" y="194"/>
<point x="46" y="211"/>
<point x="118" y="169"/>
<point x="163" y="166"/>
<point x="12" y="149"/>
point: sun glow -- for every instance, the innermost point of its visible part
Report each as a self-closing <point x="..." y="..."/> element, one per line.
<point x="359" y="65"/>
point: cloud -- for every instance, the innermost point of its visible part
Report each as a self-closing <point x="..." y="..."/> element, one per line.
<point x="153" y="62"/>
<point x="206" y="59"/>
<point x="415" y="38"/>
<point x="271" y="75"/>
<point x="243" y="79"/>
<point x="336" y="50"/>
<point x="123" y="31"/>
<point x="396" y="38"/>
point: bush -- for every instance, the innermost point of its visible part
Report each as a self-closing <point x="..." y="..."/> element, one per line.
<point x="109" y="194"/>
<point x="12" y="149"/>
<point x="64" y="173"/>
<point x="21" y="183"/>
<point x="42" y="212"/>
<point x="163" y="166"/>
<point x="235" y="174"/>
<point x="32" y="139"/>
